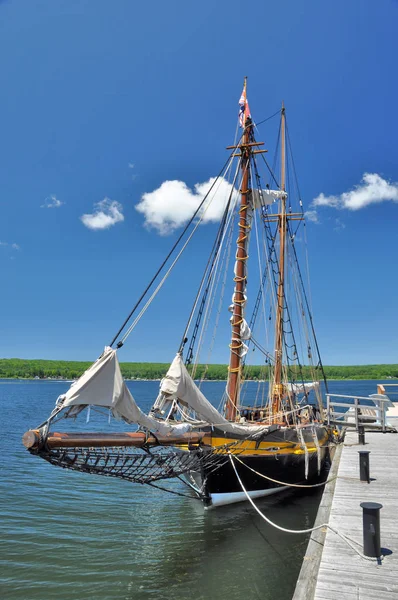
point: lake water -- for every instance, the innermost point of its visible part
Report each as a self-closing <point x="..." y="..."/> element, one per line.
<point x="71" y="536"/>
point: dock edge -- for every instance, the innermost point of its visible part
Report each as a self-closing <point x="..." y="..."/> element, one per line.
<point x="307" y="579"/>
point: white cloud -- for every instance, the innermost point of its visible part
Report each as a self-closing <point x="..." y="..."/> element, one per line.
<point x="14" y="246"/>
<point x="312" y="215"/>
<point x="106" y="214"/>
<point x="371" y="190"/>
<point x="173" y="203"/>
<point x="52" y="202"/>
<point x="131" y="165"/>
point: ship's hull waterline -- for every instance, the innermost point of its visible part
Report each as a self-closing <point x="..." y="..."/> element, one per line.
<point x="265" y="468"/>
<point x="217" y="500"/>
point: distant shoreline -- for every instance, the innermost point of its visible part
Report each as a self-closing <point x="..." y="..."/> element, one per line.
<point x="59" y="370"/>
<point x="48" y="380"/>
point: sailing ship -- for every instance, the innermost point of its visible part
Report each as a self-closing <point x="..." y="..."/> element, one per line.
<point x="247" y="447"/>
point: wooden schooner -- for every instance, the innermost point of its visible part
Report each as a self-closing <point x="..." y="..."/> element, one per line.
<point x="276" y="439"/>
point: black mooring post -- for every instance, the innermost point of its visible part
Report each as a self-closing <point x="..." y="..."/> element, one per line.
<point x="364" y="473"/>
<point x="371" y="528"/>
<point x="361" y="435"/>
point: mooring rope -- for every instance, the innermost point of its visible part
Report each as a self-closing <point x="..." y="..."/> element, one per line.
<point x="298" y="485"/>
<point x="348" y="541"/>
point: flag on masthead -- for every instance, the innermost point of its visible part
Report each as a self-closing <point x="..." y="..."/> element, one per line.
<point x="244" y="110"/>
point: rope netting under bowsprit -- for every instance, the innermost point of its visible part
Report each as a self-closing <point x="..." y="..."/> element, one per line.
<point x="134" y="466"/>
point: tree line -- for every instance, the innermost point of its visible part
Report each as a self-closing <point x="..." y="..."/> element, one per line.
<point x="16" y="368"/>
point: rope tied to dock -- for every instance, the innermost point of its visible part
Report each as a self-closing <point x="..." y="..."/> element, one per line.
<point x="345" y="538"/>
<point x="297" y="485"/>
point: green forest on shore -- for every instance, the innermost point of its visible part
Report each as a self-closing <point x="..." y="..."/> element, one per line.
<point x="17" y="368"/>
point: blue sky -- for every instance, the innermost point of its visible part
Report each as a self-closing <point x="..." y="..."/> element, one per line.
<point x="108" y="100"/>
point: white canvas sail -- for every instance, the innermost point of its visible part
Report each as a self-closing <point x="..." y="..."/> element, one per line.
<point x="245" y="331"/>
<point x="302" y="388"/>
<point x="179" y="385"/>
<point x="263" y="197"/>
<point x="103" y="385"/>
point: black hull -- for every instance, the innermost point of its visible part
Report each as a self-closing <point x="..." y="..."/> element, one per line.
<point x="288" y="469"/>
<point x="268" y="473"/>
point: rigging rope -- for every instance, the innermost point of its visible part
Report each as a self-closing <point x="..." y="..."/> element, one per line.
<point x="145" y="307"/>
<point x="224" y="268"/>
<point x="163" y="489"/>
<point x="213" y="286"/>
<point x="229" y="159"/>
<point x="276" y="276"/>
<point x="156" y="291"/>
<point x="299" y="531"/>
<point x="291" y="155"/>
<point x="297" y="485"/>
<point x="309" y="314"/>
<point x="210" y="273"/>
<point x="278" y="112"/>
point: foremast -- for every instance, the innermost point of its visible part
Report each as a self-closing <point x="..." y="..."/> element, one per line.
<point x="247" y="148"/>
<point x="240" y="279"/>
<point x="278" y="389"/>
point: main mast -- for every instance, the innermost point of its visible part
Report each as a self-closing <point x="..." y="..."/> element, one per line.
<point x="240" y="279"/>
<point x="278" y="388"/>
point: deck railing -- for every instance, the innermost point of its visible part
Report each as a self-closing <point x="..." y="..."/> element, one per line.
<point x="369" y="411"/>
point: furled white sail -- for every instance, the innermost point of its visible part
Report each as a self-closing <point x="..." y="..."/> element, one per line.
<point x="179" y="385"/>
<point x="245" y="331"/>
<point x="245" y="334"/>
<point x="302" y="388"/>
<point x="239" y="347"/>
<point x="263" y="197"/>
<point x="103" y="385"/>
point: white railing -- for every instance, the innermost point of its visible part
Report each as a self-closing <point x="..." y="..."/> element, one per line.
<point x="377" y="421"/>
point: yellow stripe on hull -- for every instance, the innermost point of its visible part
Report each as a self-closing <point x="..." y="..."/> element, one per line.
<point x="252" y="448"/>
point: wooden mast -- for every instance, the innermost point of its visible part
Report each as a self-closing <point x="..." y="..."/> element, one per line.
<point x="278" y="388"/>
<point x="234" y="376"/>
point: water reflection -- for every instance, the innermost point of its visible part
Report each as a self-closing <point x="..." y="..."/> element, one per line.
<point x="225" y="553"/>
<point x="70" y="536"/>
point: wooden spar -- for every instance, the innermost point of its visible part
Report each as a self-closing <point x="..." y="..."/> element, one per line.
<point x="234" y="375"/>
<point x="278" y="390"/>
<point x="252" y="152"/>
<point x="250" y="144"/>
<point x="32" y="440"/>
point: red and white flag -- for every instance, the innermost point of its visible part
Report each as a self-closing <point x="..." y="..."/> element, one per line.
<point x="244" y="110"/>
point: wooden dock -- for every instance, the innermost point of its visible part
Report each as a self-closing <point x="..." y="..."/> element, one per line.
<point x="331" y="569"/>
